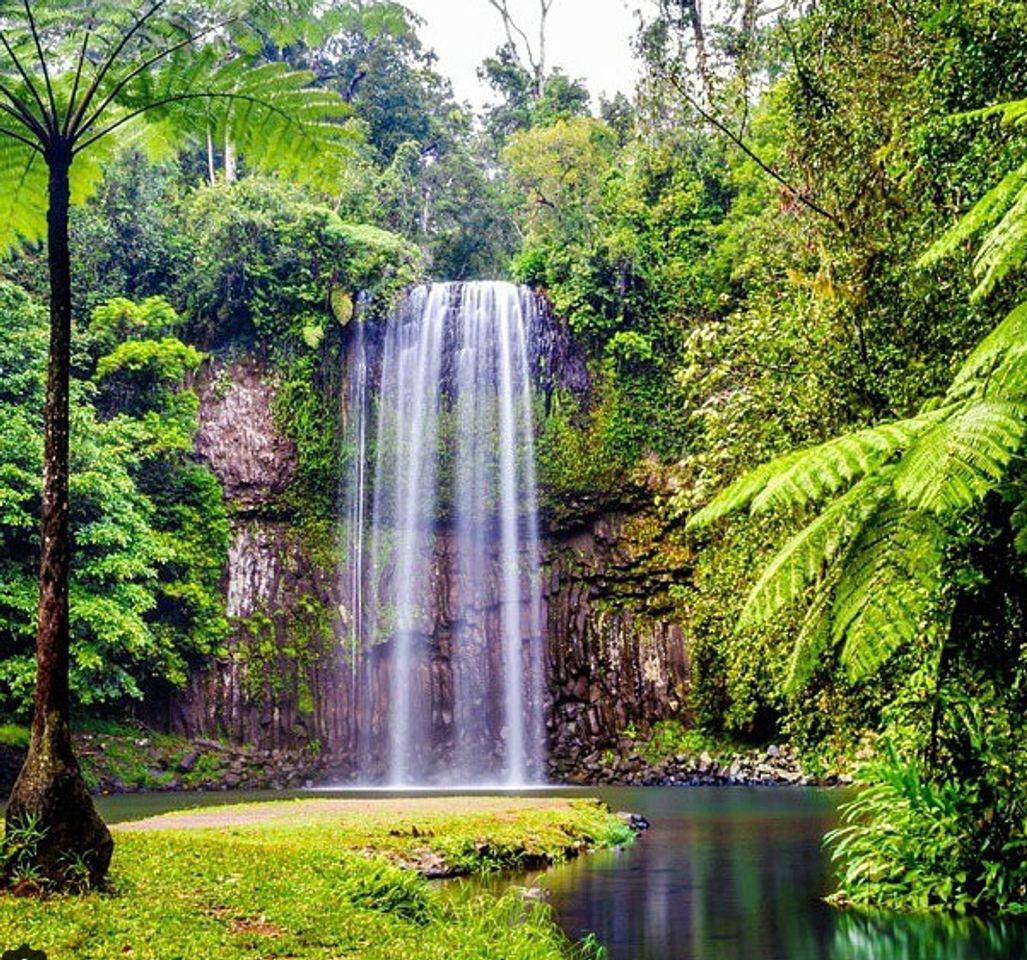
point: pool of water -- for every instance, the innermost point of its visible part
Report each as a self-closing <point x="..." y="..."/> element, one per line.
<point x="732" y="873"/>
<point x="725" y="873"/>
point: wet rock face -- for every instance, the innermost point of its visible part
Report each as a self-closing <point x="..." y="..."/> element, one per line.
<point x="237" y="435"/>
<point x="276" y="685"/>
<point x="279" y="684"/>
<point x="617" y="651"/>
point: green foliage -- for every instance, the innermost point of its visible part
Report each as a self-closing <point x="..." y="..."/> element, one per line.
<point x="18" y="854"/>
<point x="148" y="524"/>
<point x="267" y="263"/>
<point x="668" y="738"/>
<point x="390" y="890"/>
<point x="14" y="735"/>
<point x="914" y="840"/>
<point x="886" y="532"/>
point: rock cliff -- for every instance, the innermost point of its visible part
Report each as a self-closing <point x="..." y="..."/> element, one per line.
<point x="615" y="650"/>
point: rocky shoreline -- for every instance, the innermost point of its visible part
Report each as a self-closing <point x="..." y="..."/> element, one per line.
<point x="138" y="764"/>
<point x="774" y="766"/>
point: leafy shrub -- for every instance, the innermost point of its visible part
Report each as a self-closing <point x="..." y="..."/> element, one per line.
<point x="378" y="886"/>
<point x="912" y="840"/>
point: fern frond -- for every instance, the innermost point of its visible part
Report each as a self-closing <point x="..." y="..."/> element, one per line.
<point x="1011" y="112"/>
<point x="807" y="555"/>
<point x="1009" y="380"/>
<point x="1009" y="335"/>
<point x="811" y="643"/>
<point x="23" y="186"/>
<point x="1004" y="247"/>
<point x="826" y="469"/>
<point x="892" y="576"/>
<point x="987" y="212"/>
<point x="738" y="495"/>
<point x="959" y="460"/>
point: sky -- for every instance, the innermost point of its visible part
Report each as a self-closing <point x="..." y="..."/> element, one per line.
<point x="586" y="38"/>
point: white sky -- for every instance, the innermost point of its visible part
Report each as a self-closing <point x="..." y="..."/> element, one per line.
<point x="586" y="38"/>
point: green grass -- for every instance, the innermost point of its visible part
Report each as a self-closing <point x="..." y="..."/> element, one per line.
<point x="13" y="735"/>
<point x="313" y="884"/>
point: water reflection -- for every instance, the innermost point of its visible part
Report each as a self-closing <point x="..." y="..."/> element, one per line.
<point x="908" y="938"/>
<point x="737" y="874"/>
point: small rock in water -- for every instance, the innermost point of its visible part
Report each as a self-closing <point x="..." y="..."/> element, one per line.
<point x="636" y="821"/>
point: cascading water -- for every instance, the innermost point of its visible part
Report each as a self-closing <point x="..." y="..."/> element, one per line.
<point x="444" y="590"/>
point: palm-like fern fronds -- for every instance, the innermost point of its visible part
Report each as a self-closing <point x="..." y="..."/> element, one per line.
<point x="23" y="180"/>
<point x="828" y="468"/>
<point x="812" y="474"/>
<point x="1000" y="347"/>
<point x="738" y="495"/>
<point x="99" y="77"/>
<point x="961" y="458"/>
<point x="870" y="563"/>
<point x="807" y="555"/>
<point x="891" y="579"/>
<point x="1001" y="214"/>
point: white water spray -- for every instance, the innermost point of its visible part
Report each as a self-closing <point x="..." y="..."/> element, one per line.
<point x="454" y="502"/>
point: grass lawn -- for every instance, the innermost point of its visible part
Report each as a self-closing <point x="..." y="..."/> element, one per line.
<point x="318" y="879"/>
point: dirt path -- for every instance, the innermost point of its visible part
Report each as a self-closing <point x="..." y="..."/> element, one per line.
<point x="299" y="811"/>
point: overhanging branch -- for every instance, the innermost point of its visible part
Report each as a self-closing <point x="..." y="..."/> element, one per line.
<point x="719" y="124"/>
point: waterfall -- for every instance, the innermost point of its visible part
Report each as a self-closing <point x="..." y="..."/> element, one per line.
<point x="444" y="586"/>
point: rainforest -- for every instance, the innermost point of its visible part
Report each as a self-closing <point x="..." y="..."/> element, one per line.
<point x="513" y="516"/>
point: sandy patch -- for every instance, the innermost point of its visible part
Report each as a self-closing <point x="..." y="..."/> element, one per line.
<point x="294" y="812"/>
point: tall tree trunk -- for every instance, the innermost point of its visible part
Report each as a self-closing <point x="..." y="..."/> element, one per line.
<point x="231" y="159"/>
<point x="50" y="787"/>
<point x="693" y="10"/>
<point x="212" y="171"/>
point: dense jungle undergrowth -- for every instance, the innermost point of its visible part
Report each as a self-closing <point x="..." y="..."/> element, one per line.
<point x="747" y="250"/>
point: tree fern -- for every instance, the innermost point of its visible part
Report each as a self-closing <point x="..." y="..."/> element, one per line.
<point x="805" y="557"/>
<point x="1001" y="214"/>
<point x="174" y="81"/>
<point x="812" y="641"/>
<point x="78" y="82"/>
<point x="961" y="458"/>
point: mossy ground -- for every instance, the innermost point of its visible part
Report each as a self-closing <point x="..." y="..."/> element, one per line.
<point x="316" y="879"/>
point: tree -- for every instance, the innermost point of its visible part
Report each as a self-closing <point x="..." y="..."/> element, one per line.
<point x="915" y="559"/>
<point x="530" y="57"/>
<point x="81" y="80"/>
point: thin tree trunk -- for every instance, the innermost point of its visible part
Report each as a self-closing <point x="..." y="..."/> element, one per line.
<point x="694" y="12"/>
<point x="212" y="170"/>
<point x="231" y="159"/>
<point x="50" y="785"/>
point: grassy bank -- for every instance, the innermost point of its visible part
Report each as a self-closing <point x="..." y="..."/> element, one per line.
<point x="317" y="879"/>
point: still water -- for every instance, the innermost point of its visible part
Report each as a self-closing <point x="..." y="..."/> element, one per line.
<point x="725" y="873"/>
<point x="732" y="873"/>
